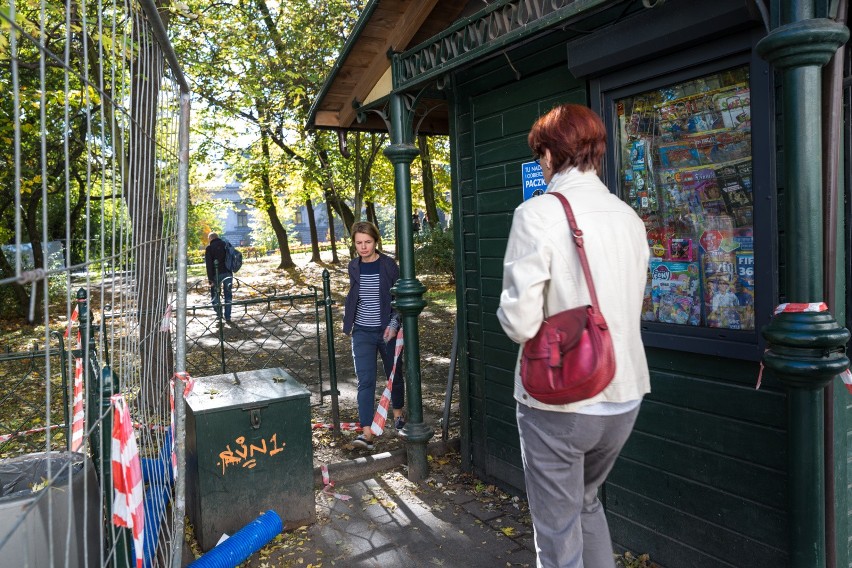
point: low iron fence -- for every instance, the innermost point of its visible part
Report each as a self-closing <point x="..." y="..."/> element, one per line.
<point x="267" y="329"/>
<point x="34" y="395"/>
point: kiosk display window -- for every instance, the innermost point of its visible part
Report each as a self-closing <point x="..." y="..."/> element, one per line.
<point x="684" y="164"/>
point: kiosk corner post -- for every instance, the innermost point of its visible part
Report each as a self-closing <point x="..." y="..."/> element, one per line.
<point x="805" y="349"/>
<point x="408" y="291"/>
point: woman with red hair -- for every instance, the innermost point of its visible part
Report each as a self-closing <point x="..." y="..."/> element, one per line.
<point x="568" y="450"/>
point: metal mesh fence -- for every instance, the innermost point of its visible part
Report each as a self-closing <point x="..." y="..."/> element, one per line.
<point x="266" y="330"/>
<point x="93" y="147"/>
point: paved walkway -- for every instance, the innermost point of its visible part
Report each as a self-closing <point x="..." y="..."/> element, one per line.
<point x="449" y="520"/>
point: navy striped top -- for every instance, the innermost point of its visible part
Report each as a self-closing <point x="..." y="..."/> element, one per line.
<point x="369" y="313"/>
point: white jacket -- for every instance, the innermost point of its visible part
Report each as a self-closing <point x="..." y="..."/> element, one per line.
<point x="542" y="275"/>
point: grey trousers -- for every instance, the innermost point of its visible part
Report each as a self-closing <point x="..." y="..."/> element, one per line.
<point x="567" y="457"/>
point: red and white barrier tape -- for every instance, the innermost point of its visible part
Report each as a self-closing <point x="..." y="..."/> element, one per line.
<point x="845" y="376"/>
<point x="74" y="316"/>
<point x="78" y="416"/>
<point x="330" y="426"/>
<point x="188" y="384"/>
<point x="381" y="415"/>
<point x="329" y="485"/>
<point x="129" y="498"/>
<point x="7" y="437"/>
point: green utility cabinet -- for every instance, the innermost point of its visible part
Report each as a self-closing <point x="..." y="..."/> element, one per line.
<point x="248" y="450"/>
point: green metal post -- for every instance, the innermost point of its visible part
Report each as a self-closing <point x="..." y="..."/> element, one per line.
<point x="332" y="364"/>
<point x="806" y="350"/>
<point x="408" y="291"/>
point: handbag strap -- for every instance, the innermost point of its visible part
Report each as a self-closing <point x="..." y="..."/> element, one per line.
<point x="578" y="240"/>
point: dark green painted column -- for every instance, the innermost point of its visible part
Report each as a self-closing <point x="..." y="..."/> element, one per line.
<point x="408" y="291"/>
<point x="805" y="349"/>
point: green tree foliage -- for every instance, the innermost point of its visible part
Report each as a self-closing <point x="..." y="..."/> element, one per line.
<point x="262" y="62"/>
<point x="51" y="121"/>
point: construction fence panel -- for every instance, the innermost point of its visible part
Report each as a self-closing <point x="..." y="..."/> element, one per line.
<point x="94" y="145"/>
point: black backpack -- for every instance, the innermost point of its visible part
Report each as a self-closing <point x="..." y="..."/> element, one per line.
<point x="233" y="258"/>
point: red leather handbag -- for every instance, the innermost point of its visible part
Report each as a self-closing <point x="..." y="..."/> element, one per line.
<point x="571" y="358"/>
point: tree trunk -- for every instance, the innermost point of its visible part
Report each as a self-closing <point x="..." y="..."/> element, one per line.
<point x="331" y="236"/>
<point x="312" y="223"/>
<point x="271" y="210"/>
<point x="34" y="235"/>
<point x="343" y="210"/>
<point x="428" y="180"/>
<point x="371" y="213"/>
<point x="149" y="253"/>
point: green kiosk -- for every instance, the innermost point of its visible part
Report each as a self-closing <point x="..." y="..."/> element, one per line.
<point x="726" y="134"/>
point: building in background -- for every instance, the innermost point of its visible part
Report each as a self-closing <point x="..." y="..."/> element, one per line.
<point x="236" y="226"/>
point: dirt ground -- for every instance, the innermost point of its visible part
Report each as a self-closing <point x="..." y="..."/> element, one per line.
<point x="437" y="322"/>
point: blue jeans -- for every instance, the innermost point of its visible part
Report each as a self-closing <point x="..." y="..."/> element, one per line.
<point x="226" y="282"/>
<point x="366" y="343"/>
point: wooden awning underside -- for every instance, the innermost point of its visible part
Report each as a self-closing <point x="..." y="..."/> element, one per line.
<point x="362" y="73"/>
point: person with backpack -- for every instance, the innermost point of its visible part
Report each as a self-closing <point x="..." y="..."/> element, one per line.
<point x="219" y="274"/>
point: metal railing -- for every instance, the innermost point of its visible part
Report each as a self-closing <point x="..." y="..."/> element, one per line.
<point x="267" y="329"/>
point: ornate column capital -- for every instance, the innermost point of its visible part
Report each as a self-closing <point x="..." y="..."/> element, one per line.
<point x="803" y="43"/>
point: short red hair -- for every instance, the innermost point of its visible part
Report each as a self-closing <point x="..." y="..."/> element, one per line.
<point x="575" y="136"/>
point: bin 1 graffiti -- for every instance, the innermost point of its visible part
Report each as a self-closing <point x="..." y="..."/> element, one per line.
<point x="244" y="455"/>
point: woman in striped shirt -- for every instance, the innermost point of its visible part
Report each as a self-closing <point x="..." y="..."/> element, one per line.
<point x="371" y="321"/>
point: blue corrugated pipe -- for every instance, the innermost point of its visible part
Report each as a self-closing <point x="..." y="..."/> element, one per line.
<point x="159" y="470"/>
<point x="156" y="498"/>
<point x="243" y="544"/>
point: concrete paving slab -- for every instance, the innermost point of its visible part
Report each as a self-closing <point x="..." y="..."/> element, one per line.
<point x="390" y="521"/>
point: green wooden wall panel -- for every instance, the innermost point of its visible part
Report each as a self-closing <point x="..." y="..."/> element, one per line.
<point x="762" y="445"/>
<point x="469" y="226"/>
<point x="737" y="477"/>
<point x="736" y="401"/>
<point x="504" y="412"/>
<point x="501" y="425"/>
<point x="511" y="477"/>
<point x="491" y="267"/>
<point x="732" y="512"/>
<point x="492" y="287"/>
<point x="517" y="120"/>
<point x="489" y="128"/>
<point x="493" y="177"/>
<point x="493" y="247"/>
<point x="474" y="316"/>
<point x="491" y="323"/>
<point x="475" y="367"/>
<point x="471" y="296"/>
<point x="712" y="367"/>
<point x="495" y="225"/>
<point x="519" y="94"/>
<point x="506" y="450"/>
<point x="499" y="201"/>
<point x="489" y="308"/>
<point x="576" y="96"/>
<point x="499" y="353"/>
<point x="712" y="540"/>
<point x="638" y="538"/>
<point x="466" y="168"/>
<point x="500" y="375"/>
<point x="507" y="149"/>
<point x="529" y="59"/>
<point x="497" y="392"/>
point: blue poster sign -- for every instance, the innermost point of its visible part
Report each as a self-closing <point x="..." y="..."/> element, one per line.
<point x="533" y="179"/>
